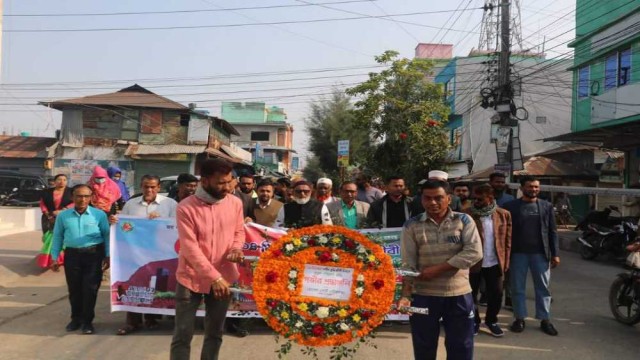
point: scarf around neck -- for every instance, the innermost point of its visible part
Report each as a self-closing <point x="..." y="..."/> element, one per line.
<point x="485" y="211"/>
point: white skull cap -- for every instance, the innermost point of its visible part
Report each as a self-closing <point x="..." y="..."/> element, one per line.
<point x="438" y="175"/>
<point x="325" y="181"/>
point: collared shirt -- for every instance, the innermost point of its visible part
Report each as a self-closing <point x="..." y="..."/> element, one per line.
<point x="489" y="247"/>
<point x="263" y="206"/>
<point x="75" y="230"/>
<point x="350" y="215"/>
<point x="426" y="243"/>
<point x="164" y="206"/>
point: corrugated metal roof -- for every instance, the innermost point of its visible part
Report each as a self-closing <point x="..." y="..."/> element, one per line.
<point x="142" y="149"/>
<point x="24" y="146"/>
<point x="222" y="155"/>
<point x="133" y="96"/>
<point x="540" y="166"/>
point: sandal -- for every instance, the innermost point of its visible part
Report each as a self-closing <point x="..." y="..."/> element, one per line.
<point x="128" y="329"/>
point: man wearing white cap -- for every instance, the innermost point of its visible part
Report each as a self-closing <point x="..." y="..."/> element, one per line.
<point x="323" y="191"/>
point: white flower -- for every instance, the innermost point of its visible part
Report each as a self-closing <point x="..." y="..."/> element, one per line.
<point x="362" y="249"/>
<point x="323" y="240"/>
<point x="360" y="277"/>
<point x="344" y="327"/>
<point x="322" y="312"/>
<point x="291" y="287"/>
<point x="334" y="257"/>
<point x="299" y="324"/>
<point x="293" y="274"/>
<point x="359" y="291"/>
<point x="288" y="247"/>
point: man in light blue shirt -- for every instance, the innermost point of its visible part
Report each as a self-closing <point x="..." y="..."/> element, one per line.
<point x="83" y="232"/>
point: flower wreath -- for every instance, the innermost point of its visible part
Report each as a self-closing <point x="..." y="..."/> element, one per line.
<point x="313" y="321"/>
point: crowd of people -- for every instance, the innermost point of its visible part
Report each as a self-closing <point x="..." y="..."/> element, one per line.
<point x="462" y="239"/>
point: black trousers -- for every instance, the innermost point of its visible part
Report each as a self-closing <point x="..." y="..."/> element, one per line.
<point x="493" y="291"/>
<point x="83" y="272"/>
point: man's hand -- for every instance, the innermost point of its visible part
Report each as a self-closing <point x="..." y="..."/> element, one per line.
<point x="404" y="302"/>
<point x="105" y="264"/>
<point x="113" y="219"/>
<point x="429" y="273"/>
<point x="55" y="266"/>
<point x="154" y="215"/>
<point x="235" y="255"/>
<point x="220" y="288"/>
<point x="555" y="261"/>
<point x="248" y="220"/>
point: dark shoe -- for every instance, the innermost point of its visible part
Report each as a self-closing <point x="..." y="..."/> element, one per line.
<point x="73" y="326"/>
<point x="518" y="326"/>
<point x="495" y="329"/>
<point x="548" y="328"/>
<point x="88" y="329"/>
<point x="476" y="329"/>
<point x="234" y="328"/>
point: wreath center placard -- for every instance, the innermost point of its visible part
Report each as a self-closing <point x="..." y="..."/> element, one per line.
<point x="324" y="285"/>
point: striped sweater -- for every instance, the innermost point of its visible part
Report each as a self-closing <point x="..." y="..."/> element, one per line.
<point x="455" y="241"/>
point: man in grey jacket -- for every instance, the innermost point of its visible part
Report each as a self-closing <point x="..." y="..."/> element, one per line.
<point x="348" y="212"/>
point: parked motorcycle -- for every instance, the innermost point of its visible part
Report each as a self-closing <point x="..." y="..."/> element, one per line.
<point x="597" y="240"/>
<point x="624" y="295"/>
<point x="9" y="198"/>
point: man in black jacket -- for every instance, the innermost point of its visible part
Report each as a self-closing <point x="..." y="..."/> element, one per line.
<point x="534" y="247"/>
<point x="393" y="209"/>
<point x="303" y="210"/>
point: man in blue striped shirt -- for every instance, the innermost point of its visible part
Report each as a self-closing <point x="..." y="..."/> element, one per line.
<point x="83" y="232"/>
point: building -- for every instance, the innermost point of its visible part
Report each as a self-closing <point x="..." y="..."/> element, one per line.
<point x="26" y="154"/>
<point x="606" y="81"/>
<point x="542" y="96"/>
<point x="264" y="132"/>
<point x="138" y="131"/>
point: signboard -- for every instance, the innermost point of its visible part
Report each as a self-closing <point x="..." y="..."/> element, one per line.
<point x="327" y="282"/>
<point x="343" y="153"/>
<point x="259" y="152"/>
<point x="502" y="141"/>
<point x="295" y="163"/>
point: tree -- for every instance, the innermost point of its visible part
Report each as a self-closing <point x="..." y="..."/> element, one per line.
<point x="331" y="120"/>
<point x="404" y="113"/>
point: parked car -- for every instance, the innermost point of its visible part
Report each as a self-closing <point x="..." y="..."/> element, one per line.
<point x="169" y="184"/>
<point x="29" y="187"/>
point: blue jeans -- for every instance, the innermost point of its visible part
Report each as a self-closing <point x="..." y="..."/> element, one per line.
<point x="457" y="313"/>
<point x="541" y="274"/>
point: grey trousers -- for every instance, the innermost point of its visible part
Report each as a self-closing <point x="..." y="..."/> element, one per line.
<point x="187" y="303"/>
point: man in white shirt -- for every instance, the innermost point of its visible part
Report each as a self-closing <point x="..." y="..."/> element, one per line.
<point x="150" y="205"/>
<point x="324" y="191"/>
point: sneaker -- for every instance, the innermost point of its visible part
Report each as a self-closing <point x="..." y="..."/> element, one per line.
<point x="518" y="326"/>
<point x="476" y="329"/>
<point x="548" y="328"/>
<point x="88" y="329"/>
<point x="495" y="330"/>
<point x="73" y="326"/>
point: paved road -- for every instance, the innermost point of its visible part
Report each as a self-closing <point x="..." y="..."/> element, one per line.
<point x="34" y="311"/>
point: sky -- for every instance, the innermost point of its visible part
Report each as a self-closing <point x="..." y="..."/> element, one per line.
<point x="207" y="51"/>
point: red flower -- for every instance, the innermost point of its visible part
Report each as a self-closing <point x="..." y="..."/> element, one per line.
<point x="350" y="244"/>
<point x="403" y="136"/>
<point x="432" y="123"/>
<point x="277" y="253"/>
<point x="378" y="284"/>
<point x="317" y="330"/>
<point x="271" y="277"/>
<point x="325" y="256"/>
<point x="311" y="242"/>
<point x="272" y="304"/>
<point x="366" y="314"/>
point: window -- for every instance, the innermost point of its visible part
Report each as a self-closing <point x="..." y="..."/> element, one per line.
<point x="611" y="72"/>
<point x="583" y="82"/>
<point x="624" y="75"/>
<point x="259" y="136"/>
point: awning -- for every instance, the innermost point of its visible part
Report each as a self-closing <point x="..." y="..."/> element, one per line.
<point x="540" y="166"/>
<point x="268" y="147"/>
<point x="621" y="136"/>
<point x="142" y="149"/>
<point x="222" y="155"/>
<point x="229" y="151"/>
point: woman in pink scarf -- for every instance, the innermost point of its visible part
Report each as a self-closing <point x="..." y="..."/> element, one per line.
<point x="105" y="191"/>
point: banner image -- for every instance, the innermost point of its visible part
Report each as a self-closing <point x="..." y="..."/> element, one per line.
<point x="144" y="260"/>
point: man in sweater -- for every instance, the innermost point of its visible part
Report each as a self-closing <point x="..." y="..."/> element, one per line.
<point x="303" y="210"/>
<point x="211" y="233"/>
<point x="266" y="208"/>
<point x="442" y="245"/>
